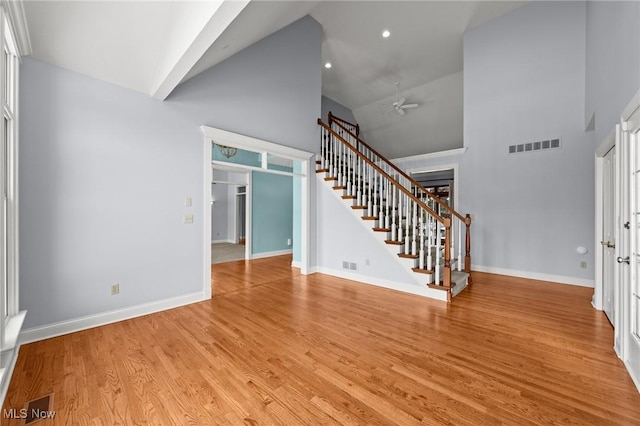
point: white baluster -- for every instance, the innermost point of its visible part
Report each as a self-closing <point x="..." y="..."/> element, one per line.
<point x="386" y="204"/>
<point x="359" y="183"/>
<point x="459" y="245"/>
<point x="375" y="196"/>
<point x="381" y="207"/>
<point x="421" y="252"/>
<point x="394" y="230"/>
<point x="369" y="189"/>
<point x="414" y="229"/>
<point x="429" y="242"/>
<point x="407" y="221"/>
<point x="399" y="214"/>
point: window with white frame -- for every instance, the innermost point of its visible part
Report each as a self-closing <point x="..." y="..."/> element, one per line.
<point x="11" y="320"/>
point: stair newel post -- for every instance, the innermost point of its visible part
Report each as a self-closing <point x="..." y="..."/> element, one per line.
<point x="467" y="246"/>
<point x="447" y="253"/>
<point x="429" y="242"/>
<point x="421" y="251"/>
<point x="459" y="222"/>
<point x="394" y="230"/>
<point x="437" y="253"/>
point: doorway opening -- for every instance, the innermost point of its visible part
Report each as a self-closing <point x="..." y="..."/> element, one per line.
<point x="227" y="150"/>
<point x="441" y="181"/>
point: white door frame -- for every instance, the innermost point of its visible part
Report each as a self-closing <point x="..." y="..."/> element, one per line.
<point x="438" y="168"/>
<point x="606" y="146"/>
<point x="236" y="140"/>
<point x="630" y="285"/>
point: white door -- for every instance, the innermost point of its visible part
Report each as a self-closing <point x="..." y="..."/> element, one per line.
<point x="608" y="234"/>
<point x="629" y="256"/>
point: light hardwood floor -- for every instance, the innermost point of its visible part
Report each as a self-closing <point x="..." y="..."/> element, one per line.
<point x="275" y="347"/>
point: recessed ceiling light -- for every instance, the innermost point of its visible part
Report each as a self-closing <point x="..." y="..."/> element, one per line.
<point x="327" y="65"/>
<point x="386" y="33"/>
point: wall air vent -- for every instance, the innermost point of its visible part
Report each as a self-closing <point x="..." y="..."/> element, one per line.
<point x="534" y="146"/>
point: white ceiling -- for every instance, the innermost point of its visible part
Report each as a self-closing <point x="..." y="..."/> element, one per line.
<point x="151" y="46"/>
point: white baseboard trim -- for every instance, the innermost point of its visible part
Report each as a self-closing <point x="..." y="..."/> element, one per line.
<point x="295" y="264"/>
<point x="635" y="379"/>
<point x="270" y="254"/>
<point x="561" y="279"/>
<point x="380" y="282"/>
<point x="222" y="241"/>
<point x="77" y="324"/>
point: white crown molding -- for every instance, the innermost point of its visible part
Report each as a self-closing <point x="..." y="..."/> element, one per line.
<point x="18" y="19"/>
<point x="430" y="155"/>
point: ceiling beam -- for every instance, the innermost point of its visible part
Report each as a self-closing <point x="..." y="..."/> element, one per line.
<point x="211" y="31"/>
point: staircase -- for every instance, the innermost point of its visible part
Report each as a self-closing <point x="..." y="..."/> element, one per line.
<point x="421" y="232"/>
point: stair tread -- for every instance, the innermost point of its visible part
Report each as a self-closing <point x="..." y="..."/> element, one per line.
<point x="369" y="217"/>
<point x="382" y="229"/>
<point x="408" y="256"/>
<point x="397" y="243"/>
<point x="321" y="170"/>
<point x="358" y="207"/>
<point x="348" y="197"/>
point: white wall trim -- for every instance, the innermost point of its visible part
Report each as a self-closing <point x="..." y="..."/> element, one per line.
<point x="271" y="254"/>
<point x="77" y="324"/>
<point x="295" y="264"/>
<point x="213" y="135"/>
<point x="560" y="279"/>
<point x="379" y="282"/>
<point x="18" y="20"/>
<point x="430" y="155"/>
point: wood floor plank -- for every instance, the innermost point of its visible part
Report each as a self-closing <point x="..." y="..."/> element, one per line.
<point x="277" y="347"/>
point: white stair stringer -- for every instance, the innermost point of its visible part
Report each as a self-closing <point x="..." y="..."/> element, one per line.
<point x="416" y="282"/>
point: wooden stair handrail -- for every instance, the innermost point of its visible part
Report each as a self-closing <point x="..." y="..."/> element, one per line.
<point x="412" y="197"/>
<point x="338" y="120"/>
<point x="396" y="168"/>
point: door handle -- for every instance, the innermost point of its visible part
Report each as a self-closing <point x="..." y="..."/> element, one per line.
<point x="627" y="225"/>
<point x="607" y="244"/>
<point x="623" y="260"/>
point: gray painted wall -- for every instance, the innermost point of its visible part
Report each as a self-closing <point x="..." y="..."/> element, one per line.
<point x="339" y="110"/>
<point x="105" y="171"/>
<point x="524" y="81"/>
<point x="613" y="62"/>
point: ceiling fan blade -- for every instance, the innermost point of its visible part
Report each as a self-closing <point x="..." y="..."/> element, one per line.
<point x="401" y="101"/>
<point x="390" y="109"/>
<point x="410" y="106"/>
<point x="400" y="111"/>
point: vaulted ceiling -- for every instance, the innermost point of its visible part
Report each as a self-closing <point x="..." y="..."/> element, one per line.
<point x="152" y="46"/>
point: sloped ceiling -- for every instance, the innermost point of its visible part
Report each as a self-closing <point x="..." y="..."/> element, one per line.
<point x="152" y="46"/>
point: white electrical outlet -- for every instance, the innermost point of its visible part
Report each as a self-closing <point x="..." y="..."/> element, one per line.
<point x="366" y="262"/>
<point x="583" y="265"/>
<point x="289" y="241"/>
<point x="115" y="289"/>
<point x="188" y="218"/>
<point x="188" y="202"/>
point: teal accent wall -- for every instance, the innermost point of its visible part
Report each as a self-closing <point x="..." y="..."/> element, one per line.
<point x="242" y="156"/>
<point x="271" y="212"/>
